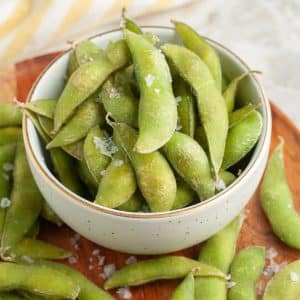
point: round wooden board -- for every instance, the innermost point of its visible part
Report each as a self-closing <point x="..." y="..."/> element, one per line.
<point x="17" y="81"/>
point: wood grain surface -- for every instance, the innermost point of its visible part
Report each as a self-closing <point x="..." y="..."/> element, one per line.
<point x="16" y="82"/>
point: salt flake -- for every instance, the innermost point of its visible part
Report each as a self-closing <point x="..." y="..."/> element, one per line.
<point x="8" y="167"/>
<point x="220" y="185"/>
<point x="149" y="79"/>
<point x="72" y="260"/>
<point x="118" y="162"/>
<point x="108" y="270"/>
<point x="5" y="202"/>
<point x="130" y="260"/>
<point x="294" y="276"/>
<point x="230" y="284"/>
<point x="106" y="145"/>
<point x="178" y="99"/>
<point x="124" y="293"/>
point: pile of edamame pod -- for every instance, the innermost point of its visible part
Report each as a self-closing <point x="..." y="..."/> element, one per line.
<point x="150" y="129"/>
<point x="219" y="273"/>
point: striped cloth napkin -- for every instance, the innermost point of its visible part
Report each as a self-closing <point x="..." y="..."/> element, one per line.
<point x="33" y="27"/>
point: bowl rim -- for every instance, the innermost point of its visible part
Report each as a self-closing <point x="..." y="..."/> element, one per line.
<point x="56" y="184"/>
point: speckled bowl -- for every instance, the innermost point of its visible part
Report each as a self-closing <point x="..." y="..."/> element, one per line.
<point x="148" y="233"/>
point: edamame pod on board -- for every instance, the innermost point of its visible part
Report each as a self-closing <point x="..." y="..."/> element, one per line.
<point x="84" y="82"/>
<point x="191" y="163"/>
<point x="86" y="117"/>
<point x="277" y="201"/>
<point x="154" y="175"/>
<point x="118" y="183"/>
<point x="10" y="115"/>
<point x="26" y="202"/>
<point x="218" y="251"/>
<point x="168" y="267"/>
<point x="245" y="271"/>
<point x="88" y="290"/>
<point x="211" y="105"/>
<point x="97" y="151"/>
<point x="42" y="107"/>
<point x="35" y="279"/>
<point x="193" y="41"/>
<point x="30" y="249"/>
<point x="242" y="138"/>
<point x="157" y="106"/>
<point x="285" y="285"/>
<point x="185" y="290"/>
<point x="10" y="135"/>
<point x="185" y="107"/>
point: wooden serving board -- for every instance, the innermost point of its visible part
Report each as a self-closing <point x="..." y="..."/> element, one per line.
<point x="16" y="81"/>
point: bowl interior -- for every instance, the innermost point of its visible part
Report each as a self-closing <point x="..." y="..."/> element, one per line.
<point x="50" y="85"/>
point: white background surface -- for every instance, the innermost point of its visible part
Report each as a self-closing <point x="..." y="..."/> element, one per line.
<point x="264" y="33"/>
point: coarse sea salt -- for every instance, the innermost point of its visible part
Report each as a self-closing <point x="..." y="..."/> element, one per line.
<point x="5" y="202"/>
<point x="130" y="260"/>
<point x="8" y="167"/>
<point x="230" y="284"/>
<point x="96" y="252"/>
<point x="220" y="185"/>
<point x="124" y="293"/>
<point x="178" y="99"/>
<point x="118" y="162"/>
<point x="108" y="271"/>
<point x="294" y="276"/>
<point x="106" y="145"/>
<point x="157" y="91"/>
<point x="72" y="260"/>
<point x="149" y="79"/>
<point x="271" y="253"/>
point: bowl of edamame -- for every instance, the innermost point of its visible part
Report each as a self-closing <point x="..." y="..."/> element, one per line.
<point x="147" y="140"/>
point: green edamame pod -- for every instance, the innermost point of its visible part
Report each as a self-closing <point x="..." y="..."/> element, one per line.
<point x="227" y="177"/>
<point x="85" y="81"/>
<point x="184" y="195"/>
<point x="168" y="267"/>
<point x="242" y="138"/>
<point x="7" y="154"/>
<point x="134" y="204"/>
<point x="118" y="54"/>
<point x="10" y="115"/>
<point x="118" y="183"/>
<point x="87" y="178"/>
<point x="218" y="251"/>
<point x="193" y="41"/>
<point x="9" y="135"/>
<point x="211" y="105"/>
<point x="230" y="92"/>
<point x="277" y="201"/>
<point x="48" y="214"/>
<point x="185" y="107"/>
<point x="97" y="152"/>
<point x="191" y="163"/>
<point x="84" y="52"/>
<point x="154" y="176"/>
<point x="30" y="296"/>
<point x="225" y="82"/>
<point x="26" y="202"/>
<point x="245" y="271"/>
<point x="10" y="296"/>
<point x="88" y="290"/>
<point x="35" y="121"/>
<point x="285" y="285"/>
<point x="157" y="107"/>
<point x="201" y="138"/>
<point x="34" y="231"/>
<point x="42" y="107"/>
<point x="35" y="279"/>
<point x="132" y="26"/>
<point x="119" y="101"/>
<point x="240" y="114"/>
<point x="31" y="249"/>
<point x="186" y="289"/>
<point x="86" y="117"/>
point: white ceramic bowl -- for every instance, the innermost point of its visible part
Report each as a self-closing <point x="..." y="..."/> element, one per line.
<point x="144" y="233"/>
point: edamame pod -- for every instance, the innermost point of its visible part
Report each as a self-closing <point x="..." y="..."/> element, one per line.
<point x="42" y="107"/>
<point x="193" y="41"/>
<point x="186" y="289"/>
<point x="157" y="107"/>
<point x="119" y="101"/>
<point x="277" y="201"/>
<point x="154" y="176"/>
<point x="245" y="271"/>
<point x="242" y="138"/>
<point x="87" y="178"/>
<point x="7" y="154"/>
<point x="9" y="135"/>
<point x="285" y="285"/>
<point x="10" y="296"/>
<point x="30" y="249"/>
<point x="88" y="290"/>
<point x="35" y="279"/>
<point x="84" y="82"/>
<point x="134" y="204"/>
<point x="168" y="267"/>
<point x="84" y="52"/>
<point x="117" y="184"/>
<point x="34" y="230"/>
<point x="131" y="25"/>
<point x="26" y="202"/>
<point x="184" y="195"/>
<point x="218" y="251"/>
<point x="97" y="152"/>
<point x="211" y="105"/>
<point x="191" y="163"/>
<point x="86" y="117"/>
<point x="185" y="107"/>
<point x="240" y="114"/>
<point x="227" y="178"/>
<point x="10" y="115"/>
